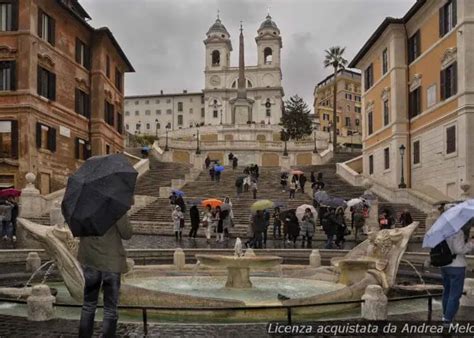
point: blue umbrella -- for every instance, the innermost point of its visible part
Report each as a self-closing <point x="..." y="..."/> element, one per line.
<point x="321" y="196"/>
<point x="450" y="222"/>
<point x="194" y="202"/>
<point x="219" y="168"/>
<point x="335" y="202"/>
<point x="146" y="148"/>
<point x="178" y="192"/>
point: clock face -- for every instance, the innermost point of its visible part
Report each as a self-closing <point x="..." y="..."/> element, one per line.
<point x="215" y="80"/>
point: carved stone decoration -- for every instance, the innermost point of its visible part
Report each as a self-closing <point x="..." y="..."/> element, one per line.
<point x="369" y="106"/>
<point x="416" y="82"/>
<point x="449" y="56"/>
<point x="385" y="94"/>
<point x="46" y="60"/>
<point x="81" y="83"/>
<point x="7" y="51"/>
<point x="108" y="94"/>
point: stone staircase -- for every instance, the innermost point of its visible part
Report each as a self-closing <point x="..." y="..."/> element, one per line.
<point x="160" y="175"/>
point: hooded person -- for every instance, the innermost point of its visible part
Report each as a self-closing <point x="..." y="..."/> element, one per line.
<point x="178" y="222"/>
<point x="307" y="227"/>
<point x="195" y="219"/>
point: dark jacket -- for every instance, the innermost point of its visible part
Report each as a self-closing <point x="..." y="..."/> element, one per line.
<point x="405" y="219"/>
<point x="292" y="225"/>
<point x="194" y="215"/>
<point x="330" y="224"/>
<point x="303" y="180"/>
<point x="180" y="202"/>
<point x="259" y="223"/>
<point x="106" y="253"/>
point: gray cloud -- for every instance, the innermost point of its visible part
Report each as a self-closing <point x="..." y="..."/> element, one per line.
<point x="163" y="38"/>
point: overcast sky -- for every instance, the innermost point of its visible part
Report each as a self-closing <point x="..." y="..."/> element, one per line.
<point x="163" y="39"/>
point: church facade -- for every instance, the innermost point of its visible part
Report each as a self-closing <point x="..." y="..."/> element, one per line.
<point x="225" y="100"/>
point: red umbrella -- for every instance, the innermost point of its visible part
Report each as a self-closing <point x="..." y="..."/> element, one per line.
<point x="10" y="192"/>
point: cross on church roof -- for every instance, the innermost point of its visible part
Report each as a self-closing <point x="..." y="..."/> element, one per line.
<point x="241" y="27"/>
<point x="218" y="14"/>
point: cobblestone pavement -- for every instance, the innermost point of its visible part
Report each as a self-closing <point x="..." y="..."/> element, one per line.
<point x="20" y="327"/>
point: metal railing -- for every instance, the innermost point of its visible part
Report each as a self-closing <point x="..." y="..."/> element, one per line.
<point x="288" y="308"/>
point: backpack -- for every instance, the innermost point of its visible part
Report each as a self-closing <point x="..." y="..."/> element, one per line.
<point x="441" y="255"/>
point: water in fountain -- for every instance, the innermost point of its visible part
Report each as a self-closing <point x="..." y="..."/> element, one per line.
<point x="417" y="273"/>
<point x="195" y="271"/>
<point x="48" y="273"/>
<point x="33" y="275"/>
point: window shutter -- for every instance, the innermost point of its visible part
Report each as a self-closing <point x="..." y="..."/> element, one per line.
<point x="38" y="81"/>
<point x="38" y="135"/>
<point x="87" y="57"/>
<point x="13" y="75"/>
<point x="14" y="125"/>
<point x="78" y="50"/>
<point x="454" y="78"/>
<point x="77" y="101"/>
<point x="40" y="23"/>
<point x="76" y="148"/>
<point x="15" y="15"/>
<point x="85" y="152"/>
<point x="455" y="13"/>
<point x="52" y="139"/>
<point x="418" y="44"/>
<point x="88" y="106"/>
<point x="52" y="31"/>
<point x="441" y="21"/>
<point x="443" y="85"/>
<point x="52" y="86"/>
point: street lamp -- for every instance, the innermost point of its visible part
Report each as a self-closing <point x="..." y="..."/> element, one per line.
<point x="156" y="128"/>
<point x="315" y="150"/>
<point x="402" y="184"/>
<point x="166" y="146"/>
<point x="221" y="117"/>
<point x="198" y="150"/>
<point x="329" y="127"/>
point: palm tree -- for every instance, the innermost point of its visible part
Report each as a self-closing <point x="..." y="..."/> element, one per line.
<point x="334" y="58"/>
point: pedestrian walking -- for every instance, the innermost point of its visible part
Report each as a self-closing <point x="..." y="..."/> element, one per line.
<point x="455" y="273"/>
<point x="207" y="222"/>
<point x="218" y="219"/>
<point x="212" y="172"/>
<point x="307" y="228"/>
<point x="292" y="189"/>
<point x="276" y="223"/>
<point x="341" y="229"/>
<point x="293" y="227"/>
<point x="5" y="218"/>
<point x="329" y="224"/>
<point x="180" y="202"/>
<point x="103" y="260"/>
<point x="14" y="216"/>
<point x="302" y="181"/>
<point x="207" y="162"/>
<point x="254" y="189"/>
<point x="312" y="178"/>
<point x="405" y="218"/>
<point x="258" y="221"/>
<point x="172" y="199"/>
<point x="283" y="181"/>
<point x="178" y="222"/>
<point x="217" y="175"/>
<point x="194" y="216"/>
<point x="235" y="163"/>
<point x="266" y="216"/>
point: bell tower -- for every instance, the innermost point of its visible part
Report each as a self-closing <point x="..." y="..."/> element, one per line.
<point x="268" y="44"/>
<point x="218" y="46"/>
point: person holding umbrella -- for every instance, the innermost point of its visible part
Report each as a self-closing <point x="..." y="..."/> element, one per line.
<point x="307" y="227"/>
<point x="258" y="224"/>
<point x="206" y="221"/>
<point x="276" y="223"/>
<point x="178" y="222"/>
<point x="95" y="204"/>
<point x="254" y="188"/>
<point x="302" y="181"/>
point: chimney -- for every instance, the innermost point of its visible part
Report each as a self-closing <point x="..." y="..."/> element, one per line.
<point x="161" y="92"/>
<point x="185" y="91"/>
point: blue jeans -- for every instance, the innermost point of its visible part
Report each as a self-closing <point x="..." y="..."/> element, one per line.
<point x="110" y="282"/>
<point x="329" y="242"/>
<point x="453" y="284"/>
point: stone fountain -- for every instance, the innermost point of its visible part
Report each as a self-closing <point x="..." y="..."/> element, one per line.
<point x="373" y="262"/>
<point x="238" y="266"/>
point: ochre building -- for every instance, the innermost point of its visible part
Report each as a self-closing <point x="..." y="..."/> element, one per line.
<point x="61" y="91"/>
<point x="417" y="94"/>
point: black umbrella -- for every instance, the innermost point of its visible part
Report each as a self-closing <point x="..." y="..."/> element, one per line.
<point x="98" y="194"/>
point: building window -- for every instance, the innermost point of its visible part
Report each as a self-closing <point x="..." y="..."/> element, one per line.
<point x="416" y="152"/>
<point x="357" y="122"/>
<point x="46" y="83"/>
<point x="414" y="47"/>
<point x="215" y="114"/>
<point x="137" y="103"/>
<point x="109" y="113"/>
<point x="137" y="113"/>
<point x="8" y="16"/>
<point x="190" y="110"/>
<point x="107" y="69"/>
<point x="348" y="121"/>
<point x="119" y="123"/>
<point x="357" y="109"/>
<point x="46" y="27"/>
<point x="82" y="103"/>
<point x="216" y="58"/>
<point x="147" y="126"/>
<point x="81" y="149"/>
<point x="127" y="126"/>
<point x="127" y="113"/>
<point x="431" y="96"/>
<point x="168" y="100"/>
<point x="370" y="123"/>
<point x="157" y="101"/>
<point x="267" y="56"/>
<point x="118" y="79"/>
<point x="147" y="112"/>
<point x="180" y="106"/>
<point x="9" y="139"/>
<point x="386" y="157"/>
<point x="384" y="61"/>
<point x="7" y="75"/>
<point x="447" y="17"/>
<point x="414" y="108"/>
<point x="158" y="112"/>
<point x="337" y="119"/>
<point x="386" y="113"/>
<point x="451" y="140"/>
<point x="168" y="111"/>
<point x="369" y="77"/>
<point x="268" y="112"/>
<point x="147" y="101"/>
<point x="107" y="149"/>
<point x="203" y="113"/>
<point x="371" y="164"/>
<point x="180" y="120"/>
<point x="449" y="81"/>
<point x="83" y="53"/>
<point x="45" y="137"/>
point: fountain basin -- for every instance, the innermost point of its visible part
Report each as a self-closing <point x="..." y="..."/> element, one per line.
<point x="238" y="268"/>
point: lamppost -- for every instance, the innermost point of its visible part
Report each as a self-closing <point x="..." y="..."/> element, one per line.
<point x="198" y="150"/>
<point x="156" y="128"/>
<point x="221" y="117"/>
<point x="166" y="145"/>
<point x="329" y="127"/>
<point x="402" y="184"/>
<point x="284" y="136"/>
<point x="315" y="150"/>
